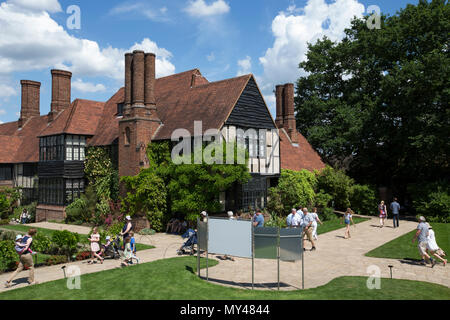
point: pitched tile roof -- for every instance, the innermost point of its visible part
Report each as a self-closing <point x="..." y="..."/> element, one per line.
<point x="82" y="117"/>
<point x="179" y="105"/>
<point x="24" y="140"/>
<point x="181" y="99"/>
<point x="300" y="156"/>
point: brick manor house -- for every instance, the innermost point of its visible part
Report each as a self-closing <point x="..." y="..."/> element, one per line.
<point x="44" y="154"/>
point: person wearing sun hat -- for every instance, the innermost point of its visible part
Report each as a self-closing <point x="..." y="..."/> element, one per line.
<point x="126" y="228"/>
<point x="204" y="216"/>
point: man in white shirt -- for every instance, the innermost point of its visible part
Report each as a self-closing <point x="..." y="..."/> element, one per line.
<point x="296" y="220"/>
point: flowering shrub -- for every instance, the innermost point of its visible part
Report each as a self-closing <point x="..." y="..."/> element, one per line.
<point x="53" y="260"/>
<point x="83" y="255"/>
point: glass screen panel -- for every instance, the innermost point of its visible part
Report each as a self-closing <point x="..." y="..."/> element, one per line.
<point x="291" y="244"/>
<point x="266" y="243"/>
<point x="232" y="237"/>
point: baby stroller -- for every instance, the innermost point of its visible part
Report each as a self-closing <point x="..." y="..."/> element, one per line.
<point x="113" y="250"/>
<point x="188" y="246"/>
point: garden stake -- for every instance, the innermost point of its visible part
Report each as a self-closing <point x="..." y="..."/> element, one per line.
<point x="390" y="267"/>
<point x="64" y="270"/>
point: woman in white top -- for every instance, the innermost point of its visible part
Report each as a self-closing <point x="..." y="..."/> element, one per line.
<point x="314" y="224"/>
<point x="432" y="246"/>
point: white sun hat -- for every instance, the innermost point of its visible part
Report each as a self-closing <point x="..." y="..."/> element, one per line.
<point x="19" y="236"/>
<point x="128" y="217"/>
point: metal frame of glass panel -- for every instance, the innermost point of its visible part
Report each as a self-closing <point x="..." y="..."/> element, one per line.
<point x="289" y="245"/>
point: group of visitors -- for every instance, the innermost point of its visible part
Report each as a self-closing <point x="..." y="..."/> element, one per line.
<point x="383" y="213"/>
<point x="129" y="245"/>
<point x="308" y="220"/>
<point x="427" y="243"/>
<point x="176" y="226"/>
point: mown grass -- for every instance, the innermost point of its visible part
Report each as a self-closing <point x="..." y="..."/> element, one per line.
<point x="176" y="279"/>
<point x="336" y="224"/>
<point x="403" y="248"/>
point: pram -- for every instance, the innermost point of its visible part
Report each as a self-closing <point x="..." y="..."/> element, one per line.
<point x="188" y="246"/>
<point x="113" y="250"/>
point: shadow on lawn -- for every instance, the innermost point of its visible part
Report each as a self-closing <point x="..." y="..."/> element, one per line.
<point x="248" y="285"/>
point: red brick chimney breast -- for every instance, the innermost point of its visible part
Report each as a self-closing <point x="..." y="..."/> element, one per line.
<point x="279" y="121"/>
<point x="138" y="77"/>
<point x="61" y="86"/>
<point x="30" y="100"/>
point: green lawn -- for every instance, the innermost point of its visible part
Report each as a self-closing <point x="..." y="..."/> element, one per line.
<point x="176" y="279"/>
<point x="335" y="224"/>
<point x="403" y="248"/>
<point x="48" y="232"/>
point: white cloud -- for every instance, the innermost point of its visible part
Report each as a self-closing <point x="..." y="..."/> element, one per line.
<point x="6" y="91"/>
<point x="1" y="122"/>
<point x="297" y="27"/>
<point x="82" y="86"/>
<point x="143" y="9"/>
<point x="245" y="66"/>
<point x="34" y="41"/>
<point x="38" y="5"/>
<point x="199" y="8"/>
<point x="2" y="112"/>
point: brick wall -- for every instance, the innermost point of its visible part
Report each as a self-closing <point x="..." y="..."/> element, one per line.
<point x="46" y="213"/>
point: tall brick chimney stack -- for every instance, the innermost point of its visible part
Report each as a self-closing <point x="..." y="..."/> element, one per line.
<point x="140" y="119"/>
<point x="289" y="121"/>
<point x="279" y="121"/>
<point x="30" y="100"/>
<point x="61" y="84"/>
<point x="285" y="110"/>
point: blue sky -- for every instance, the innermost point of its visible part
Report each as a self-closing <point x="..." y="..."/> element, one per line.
<point x="223" y="38"/>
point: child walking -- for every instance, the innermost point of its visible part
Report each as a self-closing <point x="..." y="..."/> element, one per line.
<point x="127" y="253"/>
<point x="347" y="219"/>
<point x="383" y="213"/>
<point x="133" y="248"/>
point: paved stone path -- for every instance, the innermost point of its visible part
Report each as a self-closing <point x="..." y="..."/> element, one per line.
<point x="334" y="257"/>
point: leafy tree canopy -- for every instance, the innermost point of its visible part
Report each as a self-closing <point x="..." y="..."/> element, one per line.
<point x="376" y="103"/>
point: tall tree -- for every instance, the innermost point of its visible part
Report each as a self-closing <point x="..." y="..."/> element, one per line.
<point x="377" y="103"/>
